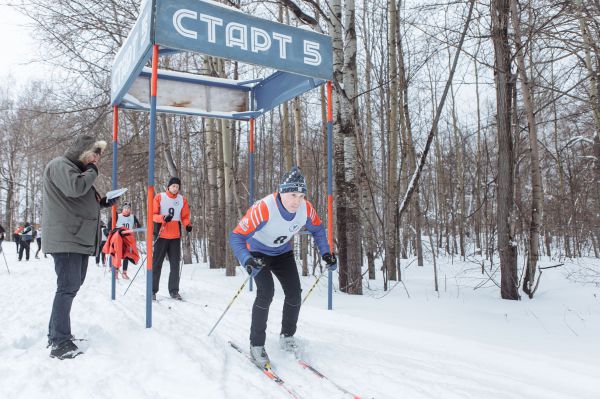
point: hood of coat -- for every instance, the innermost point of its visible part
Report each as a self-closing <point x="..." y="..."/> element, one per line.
<point x="83" y="146"/>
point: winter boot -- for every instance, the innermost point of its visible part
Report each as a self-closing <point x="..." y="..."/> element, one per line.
<point x="288" y="344"/>
<point x="66" y="350"/>
<point x="175" y="295"/>
<point x="125" y="276"/>
<point x="154" y="297"/>
<point x="259" y="357"/>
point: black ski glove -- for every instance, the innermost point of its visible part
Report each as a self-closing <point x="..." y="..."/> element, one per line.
<point x="331" y="261"/>
<point x="188" y="228"/>
<point x="169" y="217"/>
<point x="254" y="265"/>
<point x="107" y="203"/>
<point x="91" y="166"/>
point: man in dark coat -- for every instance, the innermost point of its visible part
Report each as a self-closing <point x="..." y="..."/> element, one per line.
<point x="71" y="220"/>
<point x="26" y="236"/>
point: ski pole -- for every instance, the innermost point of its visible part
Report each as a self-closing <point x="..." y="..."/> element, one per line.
<point x="142" y="264"/>
<point x="313" y="287"/>
<point x="187" y="235"/>
<point x="4" y="256"/>
<point x="231" y="303"/>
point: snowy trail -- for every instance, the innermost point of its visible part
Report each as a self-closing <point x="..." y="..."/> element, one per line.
<point x="375" y="348"/>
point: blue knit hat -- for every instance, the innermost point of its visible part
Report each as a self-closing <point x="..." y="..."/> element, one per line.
<point x="293" y="182"/>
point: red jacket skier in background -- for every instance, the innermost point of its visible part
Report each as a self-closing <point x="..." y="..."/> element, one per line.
<point x="170" y="211"/>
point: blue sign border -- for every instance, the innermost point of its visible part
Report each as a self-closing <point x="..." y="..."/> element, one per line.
<point x="133" y="55"/>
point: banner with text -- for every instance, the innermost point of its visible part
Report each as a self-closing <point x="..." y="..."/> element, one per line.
<point x="209" y="28"/>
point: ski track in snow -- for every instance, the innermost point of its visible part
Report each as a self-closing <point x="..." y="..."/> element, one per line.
<point x="389" y="348"/>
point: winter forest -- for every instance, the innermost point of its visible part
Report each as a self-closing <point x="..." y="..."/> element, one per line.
<point x="493" y="107"/>
<point x="465" y="132"/>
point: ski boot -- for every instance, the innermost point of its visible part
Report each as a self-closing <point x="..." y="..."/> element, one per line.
<point x="288" y="344"/>
<point x="259" y="357"/>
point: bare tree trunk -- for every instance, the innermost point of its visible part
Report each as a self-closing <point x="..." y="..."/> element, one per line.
<point x="166" y="145"/>
<point x="349" y="129"/>
<point x="340" y="191"/>
<point x="409" y="145"/>
<point x="593" y="77"/>
<point x="187" y="242"/>
<point x="285" y="123"/>
<point x="529" y="284"/>
<point x="213" y="194"/>
<point x="504" y="195"/>
<point x="230" y="214"/>
<point x="369" y="214"/>
<point x="298" y="139"/>
<point x="460" y="160"/>
<point x="391" y="195"/>
<point x="477" y="190"/>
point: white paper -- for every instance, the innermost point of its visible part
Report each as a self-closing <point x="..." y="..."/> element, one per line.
<point x="115" y="193"/>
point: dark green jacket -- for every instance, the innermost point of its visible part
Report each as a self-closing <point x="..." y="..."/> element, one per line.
<point x="71" y="208"/>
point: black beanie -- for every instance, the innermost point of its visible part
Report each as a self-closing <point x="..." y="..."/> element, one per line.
<point x="174" y="180"/>
<point x="293" y="182"/>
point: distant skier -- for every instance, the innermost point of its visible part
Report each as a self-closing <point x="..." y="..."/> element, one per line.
<point x="171" y="210"/>
<point x="38" y="240"/>
<point x="261" y="242"/>
<point x="26" y="236"/>
<point x="129" y="221"/>
<point x="17" y="237"/>
<point x="104" y="236"/>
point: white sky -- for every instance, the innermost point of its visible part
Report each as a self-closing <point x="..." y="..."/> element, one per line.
<point x="18" y="49"/>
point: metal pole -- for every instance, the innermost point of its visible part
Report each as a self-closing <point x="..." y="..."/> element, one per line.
<point x="113" y="278"/>
<point x="150" y="199"/>
<point x="251" y="173"/>
<point x="330" y="189"/>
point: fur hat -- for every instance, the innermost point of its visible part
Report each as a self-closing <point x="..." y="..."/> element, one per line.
<point x="293" y="182"/>
<point x="83" y="146"/>
<point x="174" y="180"/>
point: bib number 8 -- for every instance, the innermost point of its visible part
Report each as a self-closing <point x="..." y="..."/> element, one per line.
<point x="280" y="240"/>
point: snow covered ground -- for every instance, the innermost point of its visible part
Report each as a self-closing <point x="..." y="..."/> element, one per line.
<point x="460" y="343"/>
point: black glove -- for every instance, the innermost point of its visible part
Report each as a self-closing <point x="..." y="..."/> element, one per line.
<point x="91" y="166"/>
<point x="331" y="261"/>
<point x="188" y="228"/>
<point x="107" y="203"/>
<point x="169" y="217"/>
<point x="254" y="265"/>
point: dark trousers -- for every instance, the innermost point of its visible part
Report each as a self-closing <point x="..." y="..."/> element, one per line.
<point x="163" y="247"/>
<point x="125" y="263"/>
<point x="284" y="268"/>
<point x="101" y="254"/>
<point x="38" y="240"/>
<point x="17" y="240"/>
<point x="70" y="272"/>
<point x="24" y="247"/>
